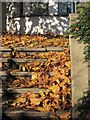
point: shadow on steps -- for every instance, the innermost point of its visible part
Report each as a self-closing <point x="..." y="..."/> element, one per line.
<point x="5" y="117"/>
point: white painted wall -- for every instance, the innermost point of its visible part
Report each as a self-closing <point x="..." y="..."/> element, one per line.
<point x="38" y="24"/>
<point x="41" y="24"/>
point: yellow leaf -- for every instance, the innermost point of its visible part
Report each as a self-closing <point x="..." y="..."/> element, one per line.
<point x="36" y="69"/>
<point x="35" y="101"/>
<point x="68" y="64"/>
<point x="57" y="81"/>
<point x="34" y="76"/>
<point x="54" y="88"/>
<point x="18" y="101"/>
<point x="45" y="102"/>
<point x="31" y="45"/>
<point x="43" y="109"/>
<point x="28" y="107"/>
<point x="13" y="104"/>
<point x="23" y="42"/>
<point x="23" y="68"/>
<point x="63" y="99"/>
<point x="22" y="100"/>
<point x="42" y="93"/>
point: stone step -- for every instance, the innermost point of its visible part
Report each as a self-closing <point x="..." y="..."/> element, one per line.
<point x="23" y="49"/>
<point x="21" y="60"/>
<point x="20" y="114"/>
<point x="21" y="90"/>
<point x="4" y="73"/>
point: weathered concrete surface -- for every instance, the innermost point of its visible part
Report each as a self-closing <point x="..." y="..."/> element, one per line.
<point x="0" y="18"/>
<point x="80" y="72"/>
<point x="3" y="16"/>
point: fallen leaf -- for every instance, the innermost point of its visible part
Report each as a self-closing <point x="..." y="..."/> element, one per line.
<point x="35" y="101"/>
<point x="54" y="88"/>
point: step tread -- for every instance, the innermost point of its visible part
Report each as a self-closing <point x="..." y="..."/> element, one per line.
<point x="21" y="60"/>
<point x="4" y="73"/>
<point x="25" y="49"/>
<point x="22" y="90"/>
<point x="11" y="111"/>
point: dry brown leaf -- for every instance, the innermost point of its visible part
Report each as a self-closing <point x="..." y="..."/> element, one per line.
<point x="68" y="64"/>
<point x="36" y="69"/>
<point x="65" y="116"/>
<point x="46" y="102"/>
<point x="5" y="55"/>
<point x="57" y="62"/>
<point x="42" y="109"/>
<point x="41" y="93"/>
<point x="35" y="101"/>
<point x="54" y="88"/>
<point x="34" y="76"/>
<point x="18" y="101"/>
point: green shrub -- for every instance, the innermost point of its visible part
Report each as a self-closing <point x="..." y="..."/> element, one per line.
<point x="80" y="28"/>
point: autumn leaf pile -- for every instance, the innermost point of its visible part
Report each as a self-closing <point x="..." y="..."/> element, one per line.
<point x="43" y="101"/>
<point x="57" y="94"/>
<point x="39" y="41"/>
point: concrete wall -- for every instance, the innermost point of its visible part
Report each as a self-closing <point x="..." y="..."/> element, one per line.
<point x="52" y="23"/>
<point x="80" y="70"/>
<point x="43" y="24"/>
<point x="3" y="16"/>
<point x="0" y="17"/>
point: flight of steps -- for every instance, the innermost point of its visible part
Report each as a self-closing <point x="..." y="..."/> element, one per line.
<point x="12" y="93"/>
